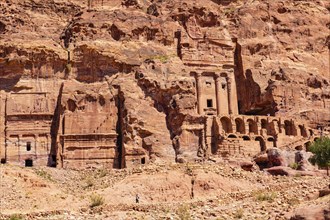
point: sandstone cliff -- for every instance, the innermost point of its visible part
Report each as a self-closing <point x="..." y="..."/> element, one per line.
<point x="130" y="48"/>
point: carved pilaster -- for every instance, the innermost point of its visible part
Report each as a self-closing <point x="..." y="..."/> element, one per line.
<point x="218" y="95"/>
<point x="36" y="141"/>
<point x="230" y="110"/>
<point x="259" y="128"/>
<point x="203" y="141"/>
<point x="19" y="147"/>
<point x="48" y="143"/>
<point x="199" y="93"/>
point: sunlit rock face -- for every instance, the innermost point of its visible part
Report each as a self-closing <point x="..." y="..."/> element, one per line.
<point x="119" y="83"/>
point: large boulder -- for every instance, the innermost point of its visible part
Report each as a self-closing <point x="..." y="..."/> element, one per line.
<point x="276" y="157"/>
<point x="313" y="212"/>
<point x="301" y="158"/>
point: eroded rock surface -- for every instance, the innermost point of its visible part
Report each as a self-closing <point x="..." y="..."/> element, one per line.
<point x="118" y="83"/>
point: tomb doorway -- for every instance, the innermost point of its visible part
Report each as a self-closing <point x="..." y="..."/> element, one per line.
<point x="28" y="163"/>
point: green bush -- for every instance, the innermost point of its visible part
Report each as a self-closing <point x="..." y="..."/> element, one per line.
<point x="44" y="174"/>
<point x="321" y="150"/>
<point x="183" y="212"/>
<point x="16" y="217"/>
<point x="266" y="197"/>
<point x="239" y="214"/>
<point x="96" y="200"/>
<point x="294" y="166"/>
<point x="89" y="183"/>
<point x="102" y="172"/>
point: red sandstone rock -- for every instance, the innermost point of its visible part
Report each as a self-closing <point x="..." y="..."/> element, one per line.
<point x="119" y="83"/>
<point x="312" y="213"/>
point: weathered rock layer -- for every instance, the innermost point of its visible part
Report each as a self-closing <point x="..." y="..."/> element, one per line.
<point x="115" y="83"/>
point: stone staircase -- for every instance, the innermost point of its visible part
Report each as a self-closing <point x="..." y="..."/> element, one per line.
<point x="295" y="143"/>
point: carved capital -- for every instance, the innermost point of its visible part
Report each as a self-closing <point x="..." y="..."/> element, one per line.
<point x="198" y="74"/>
<point x="217" y="78"/>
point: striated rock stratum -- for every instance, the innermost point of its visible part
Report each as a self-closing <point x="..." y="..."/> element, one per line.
<point x="116" y="83"/>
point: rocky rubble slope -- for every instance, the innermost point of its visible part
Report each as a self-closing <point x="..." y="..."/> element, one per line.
<point x="204" y="191"/>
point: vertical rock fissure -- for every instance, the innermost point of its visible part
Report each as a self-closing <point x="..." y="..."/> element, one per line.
<point x="119" y="129"/>
<point x="52" y="159"/>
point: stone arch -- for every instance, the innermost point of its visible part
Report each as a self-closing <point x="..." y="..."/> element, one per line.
<point x="232" y="136"/>
<point x="303" y="131"/>
<point x="290" y="128"/>
<point x="272" y="139"/>
<point x="246" y="138"/>
<point x="253" y="127"/>
<point x="226" y="125"/>
<point x="261" y="142"/>
<point x="240" y="126"/>
<point x="311" y="133"/>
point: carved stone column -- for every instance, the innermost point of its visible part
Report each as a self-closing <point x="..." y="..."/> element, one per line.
<point x="276" y="127"/>
<point x="233" y="95"/>
<point x="247" y="127"/>
<point x="230" y="110"/>
<point x="208" y="131"/>
<point x="36" y="141"/>
<point x="47" y="144"/>
<point x="19" y="147"/>
<point x="259" y="128"/>
<point x="203" y="142"/>
<point x="218" y="95"/>
<point x="199" y="93"/>
<point x="281" y="129"/>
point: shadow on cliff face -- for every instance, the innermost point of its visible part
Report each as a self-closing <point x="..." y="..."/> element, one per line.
<point x="167" y="100"/>
<point x="54" y="130"/>
<point x="9" y="84"/>
<point x="251" y="100"/>
<point x="92" y="66"/>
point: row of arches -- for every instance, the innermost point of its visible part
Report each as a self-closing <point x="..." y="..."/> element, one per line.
<point x="260" y="139"/>
<point x="250" y="126"/>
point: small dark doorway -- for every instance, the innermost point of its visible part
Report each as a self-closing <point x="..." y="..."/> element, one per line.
<point x="29" y="163"/>
<point x="143" y="160"/>
<point x="28" y="146"/>
<point x="209" y="103"/>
